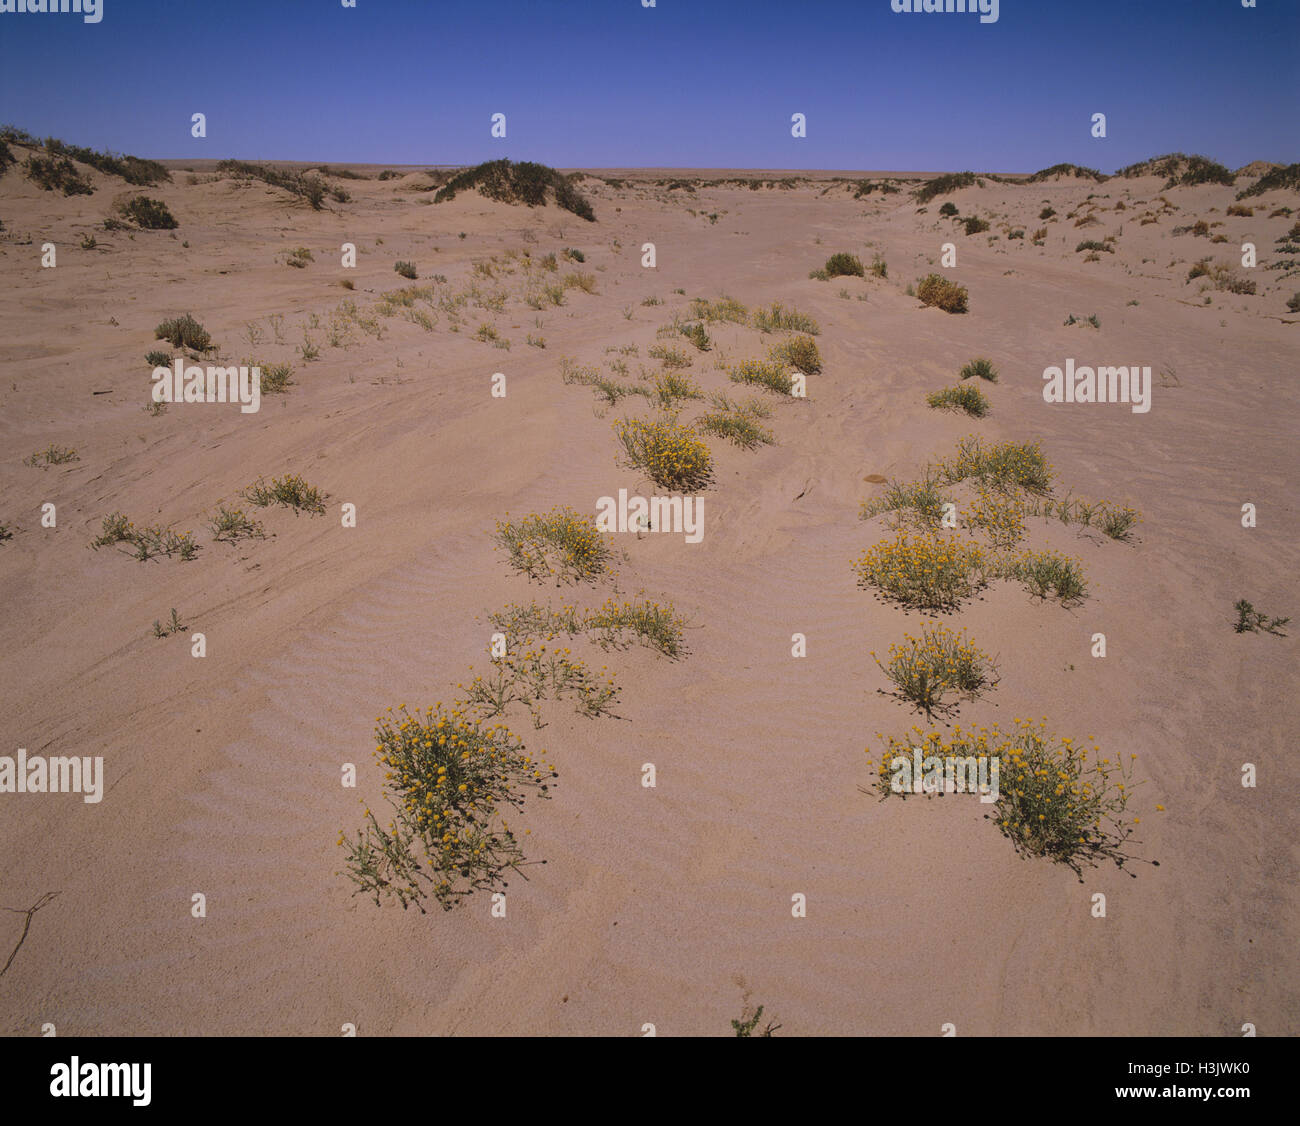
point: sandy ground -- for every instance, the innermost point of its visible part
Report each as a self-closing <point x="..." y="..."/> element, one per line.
<point x="670" y="905"/>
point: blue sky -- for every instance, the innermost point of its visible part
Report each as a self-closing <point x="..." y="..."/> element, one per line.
<point x="688" y="83"/>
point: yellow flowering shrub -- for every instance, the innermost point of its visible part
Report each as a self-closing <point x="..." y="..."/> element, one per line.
<point x="925" y="669"/>
<point x="562" y="544"/>
<point x="1056" y="798"/>
<point x="671" y="455"/>
<point x="449" y="778"/>
<point x="930" y="571"/>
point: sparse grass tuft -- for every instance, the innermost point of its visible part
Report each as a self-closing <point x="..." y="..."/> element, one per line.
<point x="965" y="397"/>
<point x="780" y="319"/>
<point x="979" y="369"/>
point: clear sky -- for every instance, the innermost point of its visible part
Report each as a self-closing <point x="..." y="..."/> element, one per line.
<point x="688" y="83"/>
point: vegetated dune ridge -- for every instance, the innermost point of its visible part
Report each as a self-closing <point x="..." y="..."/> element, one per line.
<point x="670" y="905"/>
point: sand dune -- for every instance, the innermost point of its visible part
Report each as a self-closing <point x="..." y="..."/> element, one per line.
<point x="669" y="905"/>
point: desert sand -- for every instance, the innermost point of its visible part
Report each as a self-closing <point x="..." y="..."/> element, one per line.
<point x="668" y="906"/>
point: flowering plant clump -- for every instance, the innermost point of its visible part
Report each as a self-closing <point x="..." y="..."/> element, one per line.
<point x="561" y="543"/>
<point x="671" y="455"/>
<point x="1056" y="798"/>
<point x="925" y="669"/>
<point x="929" y="571"/>
<point x="539" y="674"/>
<point x="1000" y="515"/>
<point x="448" y="778"/>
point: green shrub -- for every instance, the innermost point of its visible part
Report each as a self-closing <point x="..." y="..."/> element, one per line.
<point x="51" y="455"/>
<point x="1285" y="178"/>
<point x="965" y="397"/>
<point x="158" y="359"/>
<point x="948" y="210"/>
<point x="523" y="182"/>
<point x="780" y="319"/>
<point x="763" y="373"/>
<point x="942" y="185"/>
<point x="697" y="336"/>
<point x="974" y="225"/>
<point x="1064" y="170"/>
<point x="723" y="309"/>
<point x="148" y="214"/>
<point x="184" y="332"/>
<point x="936" y="290"/>
<point x="800" y="352"/>
<point x="406" y="269"/>
<point x="1048" y="573"/>
<point x="844" y="265"/>
<point x="57" y="175"/>
<point x="979" y="369"/>
<point x="290" y="491"/>
<point x="737" y="422"/>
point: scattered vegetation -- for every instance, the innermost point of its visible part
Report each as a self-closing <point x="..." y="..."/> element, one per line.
<point x="522" y="182"/>
<point x="1057" y="799"/>
<point x="979" y="369"/>
<point x="943" y="185"/>
<point x="737" y="422"/>
<point x="57" y="176"/>
<point x="230" y="525"/>
<point x="311" y="188"/>
<point x="147" y="542"/>
<point x="930" y="571"/>
<point x="175" y="625"/>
